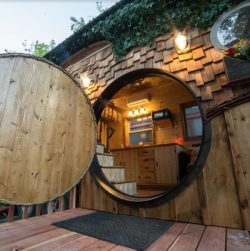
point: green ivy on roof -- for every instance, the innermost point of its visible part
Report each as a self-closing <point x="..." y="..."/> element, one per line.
<point x="132" y="23"/>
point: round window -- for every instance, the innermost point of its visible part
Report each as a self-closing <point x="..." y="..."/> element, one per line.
<point x="232" y="26"/>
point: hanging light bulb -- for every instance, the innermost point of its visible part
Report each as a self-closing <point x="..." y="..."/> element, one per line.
<point x="136" y="112"/>
<point x="142" y="110"/>
<point x="85" y="80"/>
<point x="130" y="113"/>
<point x="181" y="41"/>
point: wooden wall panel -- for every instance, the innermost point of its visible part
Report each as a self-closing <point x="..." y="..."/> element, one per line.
<point x="166" y="165"/>
<point x="220" y="195"/>
<point x="47" y="131"/>
<point x="214" y="197"/>
<point x="129" y="159"/>
<point x="220" y="181"/>
<point x="241" y="120"/>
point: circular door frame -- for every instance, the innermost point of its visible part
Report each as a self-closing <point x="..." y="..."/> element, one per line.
<point x="95" y="168"/>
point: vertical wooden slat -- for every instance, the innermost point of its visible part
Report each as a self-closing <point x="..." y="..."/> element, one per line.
<point x="214" y="238"/>
<point x="38" y="210"/>
<point x="87" y="195"/>
<point x="202" y="189"/>
<point x="173" y="212"/>
<point x="11" y="213"/>
<point x="188" y="206"/>
<point x="238" y="169"/>
<point x="50" y="207"/>
<point x="25" y="212"/>
<point x="61" y="203"/>
<point x="72" y="198"/>
<point x="220" y="181"/>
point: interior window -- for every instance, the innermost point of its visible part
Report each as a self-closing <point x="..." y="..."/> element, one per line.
<point x="193" y="121"/>
<point x="140" y="130"/>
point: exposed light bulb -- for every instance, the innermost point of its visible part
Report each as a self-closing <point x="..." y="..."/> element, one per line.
<point x="85" y="80"/>
<point x="130" y="113"/>
<point x="180" y="42"/>
<point x="136" y="112"/>
<point x="142" y="110"/>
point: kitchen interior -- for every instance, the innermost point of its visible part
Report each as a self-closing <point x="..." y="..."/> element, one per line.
<point x="152" y="130"/>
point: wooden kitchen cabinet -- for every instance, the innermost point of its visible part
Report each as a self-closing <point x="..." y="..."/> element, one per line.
<point x="127" y="158"/>
<point x="146" y="165"/>
<point x="166" y="165"/>
<point x="150" y="165"/>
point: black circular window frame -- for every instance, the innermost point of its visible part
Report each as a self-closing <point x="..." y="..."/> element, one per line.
<point x="96" y="170"/>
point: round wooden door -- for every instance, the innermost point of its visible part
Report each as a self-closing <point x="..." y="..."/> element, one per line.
<point x="47" y="130"/>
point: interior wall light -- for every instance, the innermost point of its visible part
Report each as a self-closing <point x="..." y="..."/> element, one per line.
<point x="136" y="112"/>
<point x="130" y="114"/>
<point x="142" y="110"/>
<point x="85" y="80"/>
<point x="182" y="41"/>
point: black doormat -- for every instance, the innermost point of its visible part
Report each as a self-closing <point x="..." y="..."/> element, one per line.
<point x="130" y="231"/>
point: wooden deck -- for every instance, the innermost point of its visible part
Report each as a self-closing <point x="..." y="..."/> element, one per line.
<point x="38" y="233"/>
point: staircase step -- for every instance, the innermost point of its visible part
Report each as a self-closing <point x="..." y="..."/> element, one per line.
<point x="113" y="167"/>
<point x="128" y="187"/>
<point x="105" y="154"/>
<point x="105" y="159"/>
<point x="114" y="174"/>
<point x="100" y="148"/>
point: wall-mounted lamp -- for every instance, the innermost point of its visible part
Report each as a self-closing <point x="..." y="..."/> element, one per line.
<point x="130" y="114"/>
<point x="85" y="80"/>
<point x="182" y="41"/>
<point x="137" y="112"/>
<point x="142" y="110"/>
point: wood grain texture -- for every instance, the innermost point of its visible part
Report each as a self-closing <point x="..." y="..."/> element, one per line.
<point x="235" y="142"/>
<point x="36" y="234"/>
<point x="189" y="238"/>
<point x="214" y="238"/>
<point x="167" y="238"/>
<point x="47" y="131"/>
<point x="217" y="187"/>
<point x="220" y="180"/>
<point x="213" y="192"/>
<point x="237" y="240"/>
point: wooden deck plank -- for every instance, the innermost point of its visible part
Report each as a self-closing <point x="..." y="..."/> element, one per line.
<point x="121" y="248"/>
<point x="99" y="246"/>
<point x="38" y="234"/>
<point x="43" y="220"/>
<point x="28" y="230"/>
<point x="34" y="239"/>
<point x="213" y="239"/>
<point x="17" y="236"/>
<point x="78" y="244"/>
<point x="165" y="241"/>
<point x="25" y="227"/>
<point x="188" y="240"/>
<point x="238" y="240"/>
<point x="56" y="242"/>
<point x="34" y="220"/>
